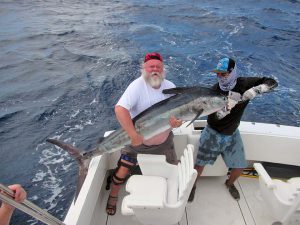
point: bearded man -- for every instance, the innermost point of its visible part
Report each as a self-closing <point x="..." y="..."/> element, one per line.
<point x="141" y="94"/>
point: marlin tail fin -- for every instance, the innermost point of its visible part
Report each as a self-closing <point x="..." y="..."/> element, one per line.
<point x="82" y="161"/>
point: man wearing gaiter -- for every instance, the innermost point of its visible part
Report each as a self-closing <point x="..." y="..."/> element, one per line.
<point x="221" y="135"/>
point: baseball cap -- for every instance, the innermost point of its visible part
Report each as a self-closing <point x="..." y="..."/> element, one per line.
<point x="225" y="65"/>
<point x="153" y="55"/>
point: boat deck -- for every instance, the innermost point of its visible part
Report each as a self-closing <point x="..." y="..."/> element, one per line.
<point x="212" y="205"/>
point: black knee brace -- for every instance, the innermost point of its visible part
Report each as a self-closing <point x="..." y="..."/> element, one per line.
<point x="132" y="170"/>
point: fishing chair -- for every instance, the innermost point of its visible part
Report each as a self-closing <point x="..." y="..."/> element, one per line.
<point x="283" y="198"/>
<point x="160" y="195"/>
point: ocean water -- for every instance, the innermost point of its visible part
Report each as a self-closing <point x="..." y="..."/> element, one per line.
<point x="64" y="64"/>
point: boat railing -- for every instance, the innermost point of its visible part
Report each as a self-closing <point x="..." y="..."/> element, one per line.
<point x="7" y="196"/>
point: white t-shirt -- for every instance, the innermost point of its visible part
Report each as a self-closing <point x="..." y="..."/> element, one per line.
<point x="139" y="96"/>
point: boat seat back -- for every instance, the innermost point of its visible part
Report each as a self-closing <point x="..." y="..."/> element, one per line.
<point x="283" y="198"/>
<point x="185" y="172"/>
<point x="160" y="195"/>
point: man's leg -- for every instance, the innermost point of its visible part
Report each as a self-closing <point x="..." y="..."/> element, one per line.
<point x="192" y="194"/>
<point x="118" y="178"/>
<point x="199" y="170"/>
<point x="234" y="157"/>
<point x="234" y="175"/>
<point x="207" y="154"/>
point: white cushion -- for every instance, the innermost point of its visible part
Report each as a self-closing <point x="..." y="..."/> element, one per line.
<point x="149" y="191"/>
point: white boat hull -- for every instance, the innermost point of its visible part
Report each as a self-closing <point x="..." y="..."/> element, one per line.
<point x="263" y="142"/>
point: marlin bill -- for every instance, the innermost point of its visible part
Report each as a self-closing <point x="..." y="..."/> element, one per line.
<point x="187" y="104"/>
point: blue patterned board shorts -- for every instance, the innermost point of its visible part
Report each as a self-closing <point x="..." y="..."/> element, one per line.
<point x="212" y="144"/>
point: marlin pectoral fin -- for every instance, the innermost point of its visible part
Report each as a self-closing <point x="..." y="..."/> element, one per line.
<point x="197" y="115"/>
<point x="82" y="160"/>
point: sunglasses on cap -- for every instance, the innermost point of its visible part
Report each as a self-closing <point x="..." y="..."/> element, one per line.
<point x="223" y="74"/>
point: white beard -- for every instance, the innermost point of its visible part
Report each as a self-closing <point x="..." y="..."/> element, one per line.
<point x="154" y="79"/>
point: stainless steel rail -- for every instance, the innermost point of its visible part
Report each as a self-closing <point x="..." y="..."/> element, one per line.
<point x="7" y="196"/>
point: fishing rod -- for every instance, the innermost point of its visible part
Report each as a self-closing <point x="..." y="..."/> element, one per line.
<point x="7" y="196"/>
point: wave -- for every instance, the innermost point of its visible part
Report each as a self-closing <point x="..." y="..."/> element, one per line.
<point x="95" y="50"/>
<point x="247" y="21"/>
<point x="6" y="116"/>
<point x="278" y="38"/>
<point x="146" y="28"/>
<point x="54" y="163"/>
<point x="46" y="114"/>
<point x="273" y="10"/>
<point x="65" y="33"/>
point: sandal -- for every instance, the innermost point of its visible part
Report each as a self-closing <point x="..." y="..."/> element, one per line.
<point x="233" y="191"/>
<point x="110" y="208"/>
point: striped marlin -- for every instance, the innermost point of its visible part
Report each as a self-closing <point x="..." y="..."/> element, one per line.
<point x="187" y="104"/>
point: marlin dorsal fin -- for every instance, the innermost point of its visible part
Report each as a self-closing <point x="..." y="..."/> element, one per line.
<point x="177" y="90"/>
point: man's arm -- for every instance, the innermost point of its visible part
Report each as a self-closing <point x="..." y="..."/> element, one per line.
<point x="263" y="85"/>
<point x="126" y="123"/>
<point x="7" y="210"/>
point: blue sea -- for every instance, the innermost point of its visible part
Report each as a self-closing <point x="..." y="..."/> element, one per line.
<point x="65" y="63"/>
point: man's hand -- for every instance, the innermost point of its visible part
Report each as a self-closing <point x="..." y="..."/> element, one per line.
<point x="136" y="139"/>
<point x="174" y="123"/>
<point x="20" y="193"/>
<point x="252" y="92"/>
<point x="249" y="94"/>
<point x="233" y="99"/>
<point x="19" y="196"/>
